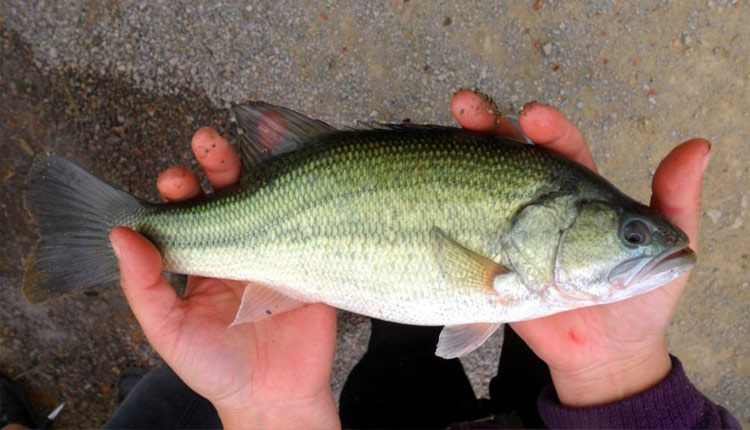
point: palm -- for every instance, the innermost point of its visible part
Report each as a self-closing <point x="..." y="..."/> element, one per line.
<point x="568" y="341"/>
<point x="276" y="356"/>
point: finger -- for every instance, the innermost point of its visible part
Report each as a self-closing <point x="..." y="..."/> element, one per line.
<point x="548" y="127"/>
<point x="178" y="183"/>
<point x="152" y="299"/>
<point x="677" y="185"/>
<point x="217" y="157"/>
<point x="478" y="112"/>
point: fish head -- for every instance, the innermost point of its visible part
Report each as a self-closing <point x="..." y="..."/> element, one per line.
<point x="613" y="251"/>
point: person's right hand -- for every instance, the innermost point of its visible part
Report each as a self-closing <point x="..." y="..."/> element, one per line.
<point x="600" y="354"/>
<point x="274" y="373"/>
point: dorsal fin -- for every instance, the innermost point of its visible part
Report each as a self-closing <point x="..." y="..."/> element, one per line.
<point x="372" y="125"/>
<point x="269" y="130"/>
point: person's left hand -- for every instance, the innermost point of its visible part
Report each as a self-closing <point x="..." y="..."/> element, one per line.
<point x="273" y="373"/>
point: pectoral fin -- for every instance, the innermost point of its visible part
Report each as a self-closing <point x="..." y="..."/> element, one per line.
<point x="463" y="267"/>
<point x="260" y="302"/>
<point x="459" y="340"/>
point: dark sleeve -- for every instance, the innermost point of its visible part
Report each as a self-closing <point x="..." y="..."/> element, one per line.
<point x="672" y="403"/>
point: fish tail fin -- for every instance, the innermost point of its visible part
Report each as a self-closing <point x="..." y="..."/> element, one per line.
<point x="74" y="211"/>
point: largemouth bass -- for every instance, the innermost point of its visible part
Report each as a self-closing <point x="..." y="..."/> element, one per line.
<point x="424" y="225"/>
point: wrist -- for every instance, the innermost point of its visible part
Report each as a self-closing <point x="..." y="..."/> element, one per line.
<point x="318" y="411"/>
<point x="613" y="379"/>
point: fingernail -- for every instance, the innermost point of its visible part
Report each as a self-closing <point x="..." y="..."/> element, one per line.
<point x="707" y="156"/>
<point x="528" y="106"/>
<point x="488" y="103"/>
<point x="209" y="131"/>
<point x="115" y="245"/>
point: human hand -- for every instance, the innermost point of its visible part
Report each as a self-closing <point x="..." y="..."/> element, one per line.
<point x="603" y="353"/>
<point x="273" y="373"/>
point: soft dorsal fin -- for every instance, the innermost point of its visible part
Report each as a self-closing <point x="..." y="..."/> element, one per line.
<point x="269" y="130"/>
<point x="381" y="126"/>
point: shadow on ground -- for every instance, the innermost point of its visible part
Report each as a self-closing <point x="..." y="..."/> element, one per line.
<point x="73" y="349"/>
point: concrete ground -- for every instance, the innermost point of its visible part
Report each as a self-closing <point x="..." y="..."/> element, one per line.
<point x="120" y="85"/>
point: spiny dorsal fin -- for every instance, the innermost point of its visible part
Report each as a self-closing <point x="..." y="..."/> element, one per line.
<point x="269" y="130"/>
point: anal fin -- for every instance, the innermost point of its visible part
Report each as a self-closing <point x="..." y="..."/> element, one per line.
<point x="459" y="340"/>
<point x="260" y="302"/>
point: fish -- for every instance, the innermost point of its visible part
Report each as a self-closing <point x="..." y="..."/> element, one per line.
<point x="415" y="224"/>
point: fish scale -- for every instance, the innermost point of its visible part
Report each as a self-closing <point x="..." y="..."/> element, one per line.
<point x="348" y="219"/>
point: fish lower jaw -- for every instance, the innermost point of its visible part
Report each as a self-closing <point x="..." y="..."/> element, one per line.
<point x="562" y="298"/>
<point x="656" y="273"/>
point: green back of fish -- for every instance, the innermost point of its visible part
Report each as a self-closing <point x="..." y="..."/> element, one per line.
<point x="354" y="211"/>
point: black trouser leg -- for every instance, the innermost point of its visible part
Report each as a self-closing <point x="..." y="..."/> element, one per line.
<point x="399" y="382"/>
<point x="161" y="400"/>
<point x="521" y="376"/>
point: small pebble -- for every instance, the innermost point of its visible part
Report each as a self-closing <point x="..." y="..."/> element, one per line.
<point x="547" y="49"/>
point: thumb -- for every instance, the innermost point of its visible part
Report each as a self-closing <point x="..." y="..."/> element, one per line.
<point x="152" y="299"/>
<point x="676" y="194"/>
<point x="677" y="185"/>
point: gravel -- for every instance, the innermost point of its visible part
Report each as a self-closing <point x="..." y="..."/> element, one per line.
<point x="119" y="86"/>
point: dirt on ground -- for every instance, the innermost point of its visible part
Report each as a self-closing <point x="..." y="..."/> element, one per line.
<point x="74" y="349"/>
<point x="119" y="86"/>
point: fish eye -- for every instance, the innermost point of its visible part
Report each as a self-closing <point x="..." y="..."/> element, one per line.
<point x="636" y="232"/>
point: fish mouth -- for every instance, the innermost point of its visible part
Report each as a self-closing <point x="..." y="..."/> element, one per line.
<point x="646" y="273"/>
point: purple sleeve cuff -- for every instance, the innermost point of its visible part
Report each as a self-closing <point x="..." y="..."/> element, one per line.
<point x="672" y="403"/>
